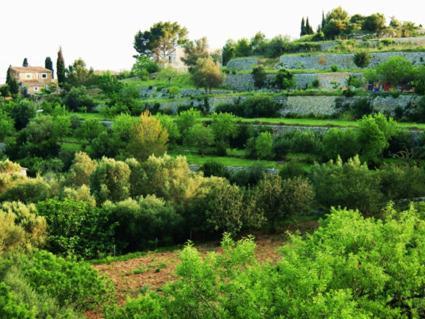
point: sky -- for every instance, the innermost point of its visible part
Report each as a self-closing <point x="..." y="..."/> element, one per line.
<point x="101" y="32"/>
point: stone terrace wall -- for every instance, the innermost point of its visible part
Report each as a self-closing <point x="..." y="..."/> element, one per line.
<point x="343" y="61"/>
<point x="304" y="106"/>
<point x="242" y="64"/>
<point x="245" y="82"/>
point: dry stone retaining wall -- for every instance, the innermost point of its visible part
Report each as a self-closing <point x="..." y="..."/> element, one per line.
<point x="343" y="61"/>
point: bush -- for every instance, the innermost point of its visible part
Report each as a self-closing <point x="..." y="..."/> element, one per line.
<point x="297" y="196"/>
<point x="351" y="185"/>
<point x="78" y="99"/>
<point x="143" y="224"/>
<point x="213" y="168"/>
<point x="260" y="77"/>
<point x="76" y="228"/>
<point x="340" y="142"/>
<point x="362" y="59"/>
<point x="261" y="147"/>
<point x="27" y="191"/>
<point x="20" y="227"/>
<point x="284" y="80"/>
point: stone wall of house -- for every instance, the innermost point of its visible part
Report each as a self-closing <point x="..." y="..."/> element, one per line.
<point x="343" y="61"/>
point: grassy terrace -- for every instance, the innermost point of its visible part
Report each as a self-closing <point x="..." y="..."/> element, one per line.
<point x="281" y="121"/>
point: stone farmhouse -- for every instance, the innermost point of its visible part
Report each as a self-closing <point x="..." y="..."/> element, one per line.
<point x="33" y="78"/>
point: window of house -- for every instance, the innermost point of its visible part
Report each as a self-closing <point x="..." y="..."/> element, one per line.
<point x="44" y="75"/>
<point x="35" y="88"/>
<point x="28" y="76"/>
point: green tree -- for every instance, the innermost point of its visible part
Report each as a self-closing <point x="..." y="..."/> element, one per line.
<point x="60" y="68"/>
<point x="22" y="112"/>
<point x="6" y="125"/>
<point x="374" y="23"/>
<point x="195" y="50"/>
<point x="160" y="41"/>
<point x="361" y="59"/>
<point x="142" y="222"/>
<point x="25" y="63"/>
<point x="187" y="119"/>
<point x="48" y="64"/>
<point x="284" y="80"/>
<point x="303" y="30"/>
<point x="76" y="228"/>
<point x="375" y="132"/>
<point x="144" y="66"/>
<point x="228" y="52"/>
<point x="350" y="184"/>
<point x="336" y="23"/>
<point x="260" y="76"/>
<point x="224" y="128"/>
<point x="264" y="146"/>
<point x="20" y="227"/>
<point x="147" y="137"/>
<point x="297" y="196"/>
<point x="200" y="136"/>
<point x="395" y="71"/>
<point x="79" y="75"/>
<point x="81" y="169"/>
<point x="207" y="74"/>
<point x="110" y="180"/>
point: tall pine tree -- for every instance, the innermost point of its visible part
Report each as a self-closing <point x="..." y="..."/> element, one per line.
<point x="60" y="68"/>
<point x="302" y="27"/>
<point x="48" y="64"/>
<point x="25" y="63"/>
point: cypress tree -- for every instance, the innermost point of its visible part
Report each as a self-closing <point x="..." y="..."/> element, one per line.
<point x="11" y="82"/>
<point x="308" y="28"/>
<point x="25" y="63"/>
<point x="302" y="27"/>
<point x="48" y="64"/>
<point x="60" y="68"/>
<point x="8" y="74"/>
<point x="323" y="20"/>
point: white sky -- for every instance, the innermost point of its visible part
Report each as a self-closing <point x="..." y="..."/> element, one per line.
<point x="101" y="31"/>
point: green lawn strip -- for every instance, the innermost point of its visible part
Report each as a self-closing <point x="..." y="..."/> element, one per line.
<point x="227" y="161"/>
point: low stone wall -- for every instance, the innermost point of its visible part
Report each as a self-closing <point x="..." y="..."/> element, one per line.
<point x="304" y="106"/>
<point x="245" y="82"/>
<point x="242" y="64"/>
<point x="343" y="61"/>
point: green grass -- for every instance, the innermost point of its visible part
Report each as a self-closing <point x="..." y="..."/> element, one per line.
<point x="228" y="161"/>
<point x="320" y="122"/>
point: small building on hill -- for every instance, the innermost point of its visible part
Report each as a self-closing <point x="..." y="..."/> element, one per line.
<point x="33" y="78"/>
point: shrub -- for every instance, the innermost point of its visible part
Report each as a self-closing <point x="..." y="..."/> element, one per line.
<point x="374" y="133"/>
<point x="213" y="168"/>
<point x="284" y="80"/>
<point x="142" y="224"/>
<point x="351" y="185"/>
<point x="20" y="226"/>
<point x="362" y="59"/>
<point x="71" y="283"/>
<point x="261" y="147"/>
<point x="200" y="136"/>
<point x="30" y="190"/>
<point x="76" y="228"/>
<point x="147" y="137"/>
<point x="260" y="76"/>
<point x="340" y="142"/>
<point x="110" y="180"/>
<point x="78" y="99"/>
<point x="297" y="196"/>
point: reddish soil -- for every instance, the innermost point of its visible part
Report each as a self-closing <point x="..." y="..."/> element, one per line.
<point x="157" y="268"/>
